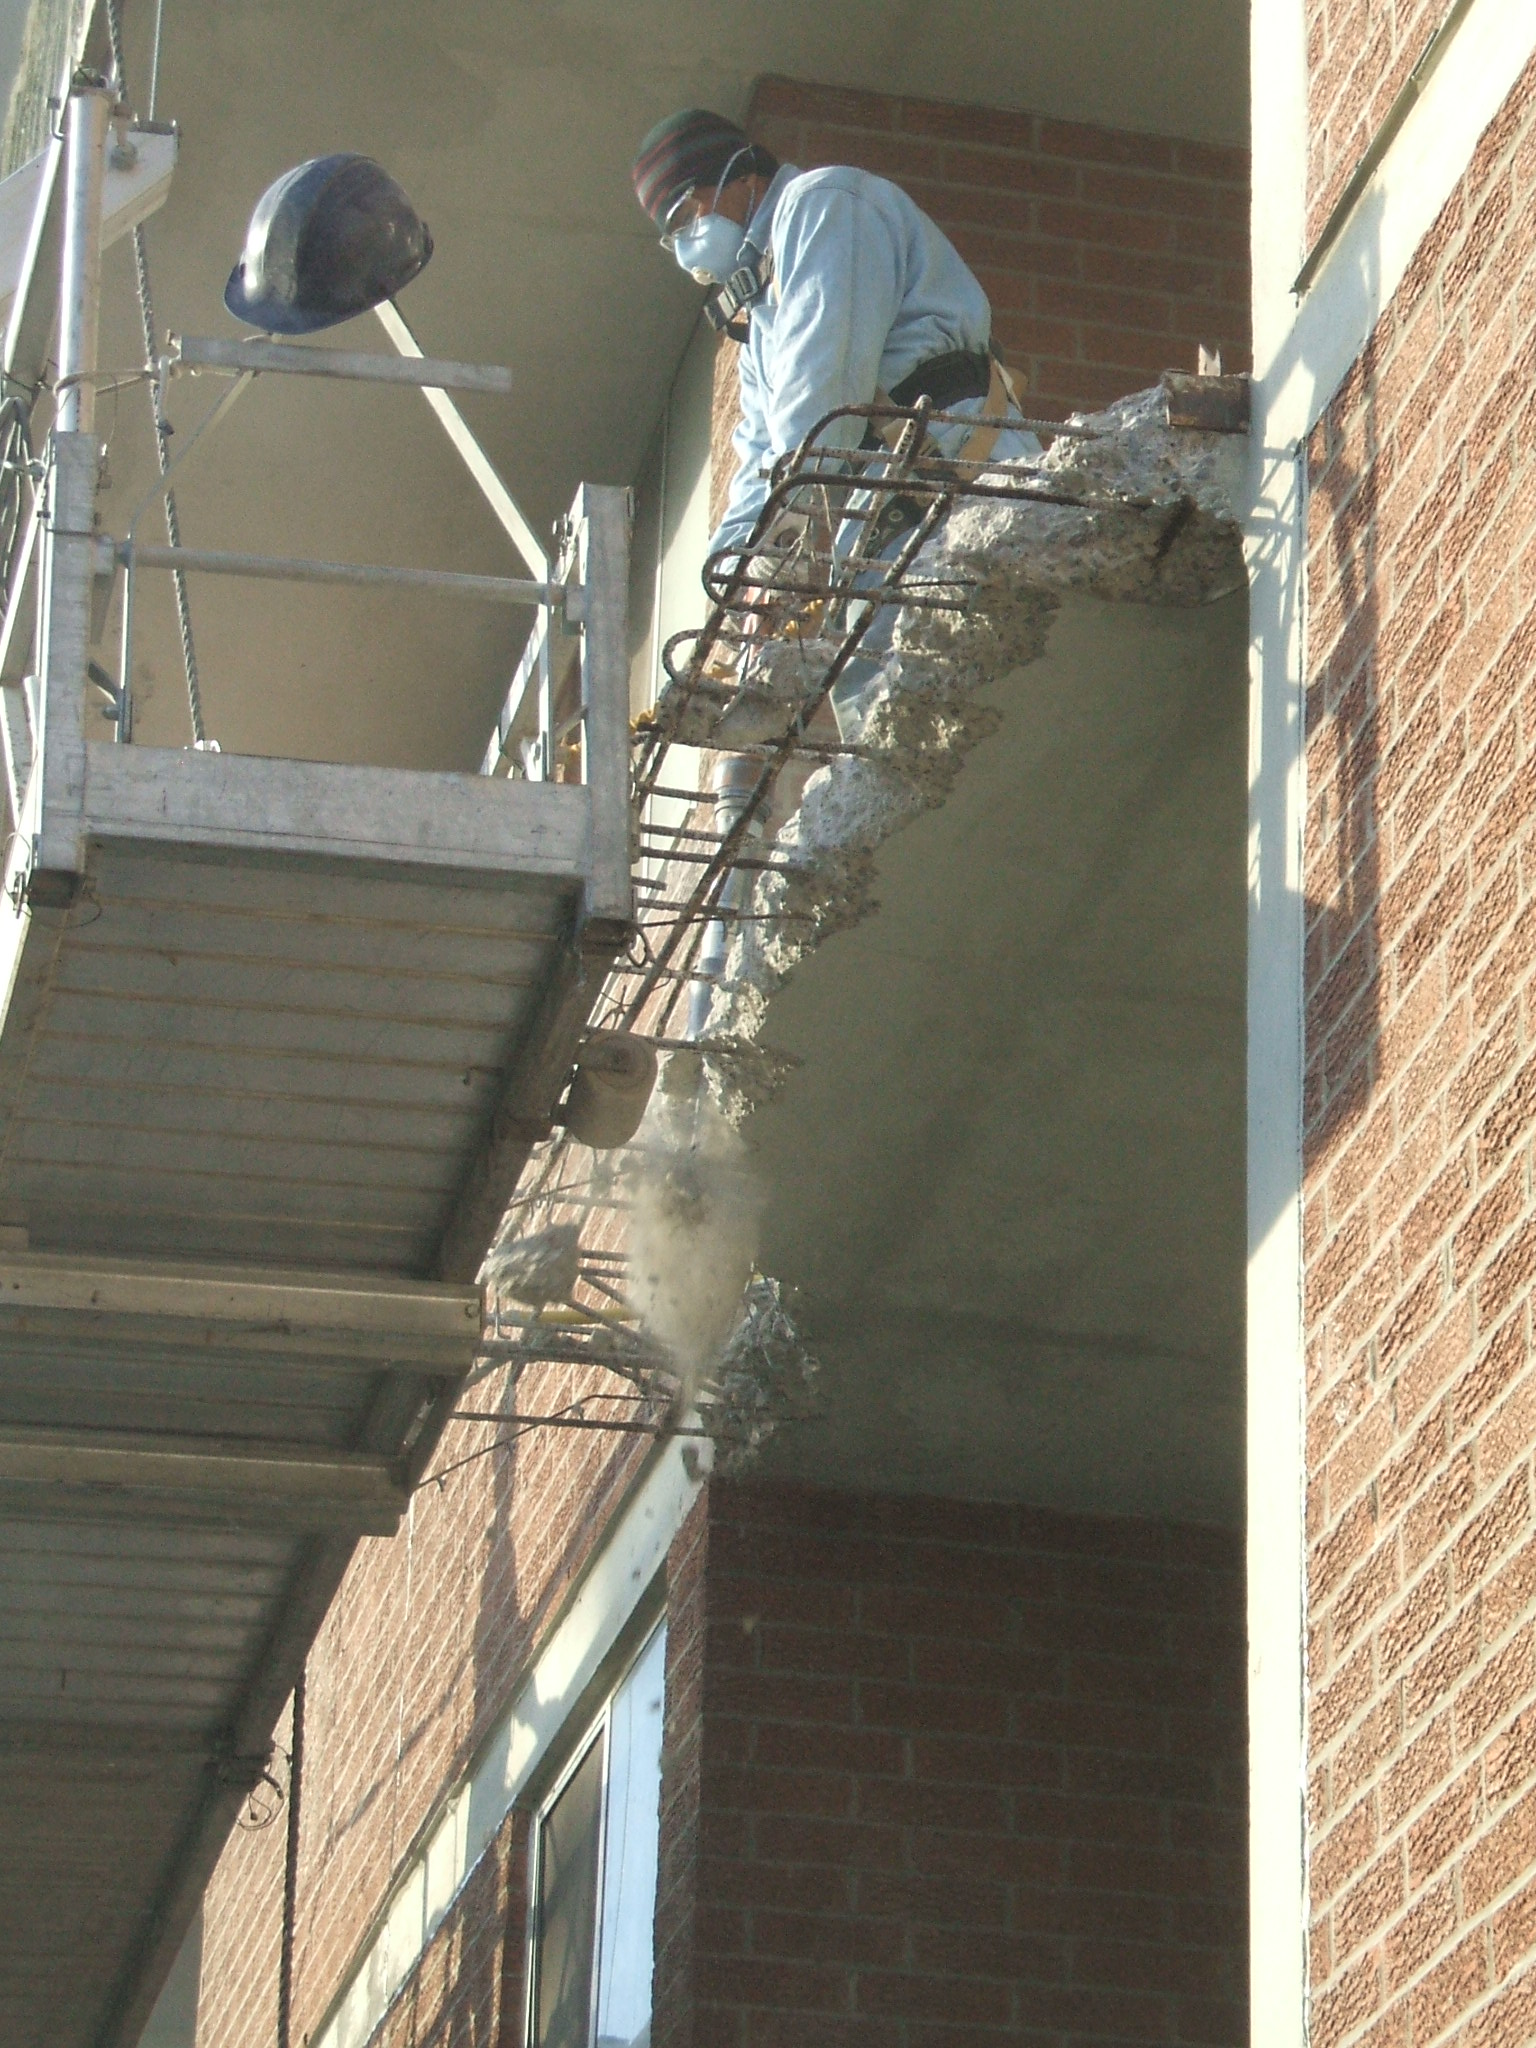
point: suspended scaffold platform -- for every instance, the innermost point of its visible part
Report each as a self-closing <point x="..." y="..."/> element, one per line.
<point x="277" y="1037"/>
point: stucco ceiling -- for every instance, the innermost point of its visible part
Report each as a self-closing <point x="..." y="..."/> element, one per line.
<point x="512" y="125"/>
<point x="1007" y="1179"/>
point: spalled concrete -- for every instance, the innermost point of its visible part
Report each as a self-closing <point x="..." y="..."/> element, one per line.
<point x="1004" y="1180"/>
<point x="1159" y="530"/>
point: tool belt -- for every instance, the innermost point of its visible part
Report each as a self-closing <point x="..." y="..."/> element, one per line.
<point x="961" y="373"/>
<point x="946" y="380"/>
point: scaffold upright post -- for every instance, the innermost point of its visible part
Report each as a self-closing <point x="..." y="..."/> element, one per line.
<point x="69" y="551"/>
<point x="601" y="522"/>
<point x="85" y="148"/>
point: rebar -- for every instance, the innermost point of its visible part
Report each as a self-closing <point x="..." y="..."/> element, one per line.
<point x="798" y="570"/>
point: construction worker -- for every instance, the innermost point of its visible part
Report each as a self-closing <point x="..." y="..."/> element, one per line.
<point x="839" y="287"/>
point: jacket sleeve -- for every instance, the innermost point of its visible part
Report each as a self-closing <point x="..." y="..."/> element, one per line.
<point x="839" y="284"/>
<point x="837" y="280"/>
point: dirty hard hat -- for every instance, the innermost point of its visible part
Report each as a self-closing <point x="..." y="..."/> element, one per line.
<point x="692" y="148"/>
<point x="327" y="240"/>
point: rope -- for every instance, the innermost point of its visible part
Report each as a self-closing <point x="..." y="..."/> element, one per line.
<point x="291" y="1869"/>
<point x="157" y="409"/>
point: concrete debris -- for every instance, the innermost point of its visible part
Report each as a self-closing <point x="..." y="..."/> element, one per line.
<point x="766" y="1377"/>
<point x="714" y="712"/>
<point x="695" y="1206"/>
<point x="743" y="1074"/>
<point x="536" y="1269"/>
<point x="1160" y="529"/>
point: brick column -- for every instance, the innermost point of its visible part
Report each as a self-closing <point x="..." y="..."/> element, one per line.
<point x="937" y="1770"/>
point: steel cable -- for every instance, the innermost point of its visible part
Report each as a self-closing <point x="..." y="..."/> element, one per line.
<point x="157" y="411"/>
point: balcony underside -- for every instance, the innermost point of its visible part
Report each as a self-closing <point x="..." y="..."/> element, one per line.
<point x="1020" y="1254"/>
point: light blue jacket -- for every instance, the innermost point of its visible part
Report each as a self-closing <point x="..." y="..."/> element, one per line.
<point x="865" y="288"/>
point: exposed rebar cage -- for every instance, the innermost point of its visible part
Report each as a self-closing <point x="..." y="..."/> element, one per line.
<point x="838" y="552"/>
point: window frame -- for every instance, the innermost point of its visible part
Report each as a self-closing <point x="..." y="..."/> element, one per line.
<point x="599" y="1728"/>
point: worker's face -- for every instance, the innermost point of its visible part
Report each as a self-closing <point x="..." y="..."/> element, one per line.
<point x="705" y="235"/>
<point x="733" y="202"/>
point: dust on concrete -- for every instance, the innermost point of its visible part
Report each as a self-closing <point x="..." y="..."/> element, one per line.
<point x="1159" y="529"/>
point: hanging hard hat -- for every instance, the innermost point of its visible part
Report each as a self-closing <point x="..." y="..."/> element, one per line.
<point x="329" y="239"/>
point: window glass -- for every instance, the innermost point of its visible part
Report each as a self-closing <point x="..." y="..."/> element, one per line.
<point x="567" y="1919"/>
<point x="631" y="1835"/>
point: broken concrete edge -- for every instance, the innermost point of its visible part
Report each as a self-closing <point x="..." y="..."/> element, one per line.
<point x="1162" y="530"/>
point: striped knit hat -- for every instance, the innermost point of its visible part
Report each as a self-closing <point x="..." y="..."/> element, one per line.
<point x="694" y="147"/>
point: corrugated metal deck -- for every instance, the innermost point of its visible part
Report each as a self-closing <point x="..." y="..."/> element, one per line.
<point x="186" y="1460"/>
<point x="275" y="1045"/>
<point x="270" y="1061"/>
<point x="276" y="1039"/>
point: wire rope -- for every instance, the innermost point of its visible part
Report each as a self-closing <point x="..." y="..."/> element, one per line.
<point x="156" y="403"/>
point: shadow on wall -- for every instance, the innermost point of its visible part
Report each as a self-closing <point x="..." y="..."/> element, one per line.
<point x="1327" y="503"/>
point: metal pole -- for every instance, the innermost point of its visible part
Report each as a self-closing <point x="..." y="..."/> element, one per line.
<point x="90" y="110"/>
<point x="162" y="451"/>
<point x="296" y="359"/>
<point x="602" y="527"/>
<point x="475" y="459"/>
<point x="296" y="569"/>
<point x="125" y="665"/>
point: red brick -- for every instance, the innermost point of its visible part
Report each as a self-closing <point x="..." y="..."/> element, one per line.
<point x="1440" y="1831"/>
<point x="1491" y="1533"/>
<point x="1425" y="1765"/>
<point x="1436" y="1511"/>
<point x="1373" y="1899"/>
<point x="1506" y="1849"/>
<point x="1347" y="2003"/>
<point x="1491" y="1695"/>
<point x="1426" y="1926"/>
<point x="1451" y="1653"/>
<point x="1450" y="1988"/>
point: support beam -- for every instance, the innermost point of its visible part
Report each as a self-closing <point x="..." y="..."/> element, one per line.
<point x="294" y="359"/>
<point x="121" y="1473"/>
<point x="372" y="575"/>
<point x="69" y="549"/>
<point x="378" y="1307"/>
<point x="602" y="528"/>
<point x="475" y="459"/>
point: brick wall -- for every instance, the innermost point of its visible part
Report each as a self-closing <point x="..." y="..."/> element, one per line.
<point x="1420" y="1226"/>
<point x="467" y="1991"/>
<point x="1108" y="256"/>
<point x="940" y="1774"/>
<point x="1359" y="55"/>
<point x="418" y="1657"/>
